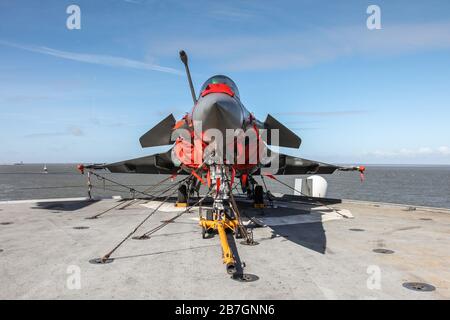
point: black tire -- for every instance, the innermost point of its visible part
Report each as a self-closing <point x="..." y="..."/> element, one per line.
<point x="249" y="193"/>
<point x="239" y="234"/>
<point x="182" y="194"/>
<point x="259" y="195"/>
<point x="204" y="233"/>
<point x="207" y="234"/>
<point x="230" y="214"/>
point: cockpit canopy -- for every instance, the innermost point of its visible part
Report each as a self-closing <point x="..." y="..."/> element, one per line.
<point x="223" y="80"/>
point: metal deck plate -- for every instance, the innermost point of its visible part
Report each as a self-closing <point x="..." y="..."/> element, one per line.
<point x="419" y="286"/>
<point x="383" y="251"/>
<point x="245" y="277"/>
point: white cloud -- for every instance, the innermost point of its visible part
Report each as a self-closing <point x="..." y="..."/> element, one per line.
<point x="231" y="14"/>
<point x="410" y="153"/>
<point x="310" y="47"/>
<point x="70" y="131"/>
<point x="444" y="150"/>
<point x="75" y="131"/>
<point x="104" y="60"/>
<point x="425" y="151"/>
<point x="323" y="113"/>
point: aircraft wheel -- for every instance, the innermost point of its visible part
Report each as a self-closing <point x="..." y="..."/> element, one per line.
<point x="239" y="234"/>
<point x="182" y="194"/>
<point x="206" y="234"/>
<point x="203" y="233"/>
<point x="249" y="193"/>
<point x="259" y="195"/>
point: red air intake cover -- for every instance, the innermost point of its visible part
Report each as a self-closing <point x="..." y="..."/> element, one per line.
<point x="217" y="88"/>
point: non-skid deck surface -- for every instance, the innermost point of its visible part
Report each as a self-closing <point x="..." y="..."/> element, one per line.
<point x="302" y="254"/>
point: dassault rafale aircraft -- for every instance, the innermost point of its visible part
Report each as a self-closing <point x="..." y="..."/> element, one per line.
<point x="220" y="144"/>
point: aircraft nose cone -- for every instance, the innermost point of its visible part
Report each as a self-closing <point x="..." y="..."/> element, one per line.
<point x="218" y="111"/>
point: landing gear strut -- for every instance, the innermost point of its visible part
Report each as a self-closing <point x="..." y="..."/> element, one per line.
<point x="221" y="219"/>
<point x="182" y="199"/>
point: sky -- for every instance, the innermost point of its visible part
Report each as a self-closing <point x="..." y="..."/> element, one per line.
<point x="353" y="95"/>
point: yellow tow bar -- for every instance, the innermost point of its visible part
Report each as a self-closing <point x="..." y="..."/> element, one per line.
<point x="221" y="226"/>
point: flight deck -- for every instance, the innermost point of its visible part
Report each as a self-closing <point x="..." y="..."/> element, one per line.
<point x="347" y="250"/>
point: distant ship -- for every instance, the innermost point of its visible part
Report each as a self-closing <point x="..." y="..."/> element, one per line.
<point x="18" y="164"/>
<point x="45" y="169"/>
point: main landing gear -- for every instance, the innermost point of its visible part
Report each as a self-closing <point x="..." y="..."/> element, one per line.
<point x="186" y="191"/>
<point x="258" y="197"/>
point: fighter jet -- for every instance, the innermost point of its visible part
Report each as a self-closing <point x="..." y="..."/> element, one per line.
<point x="219" y="144"/>
<point x="218" y="107"/>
